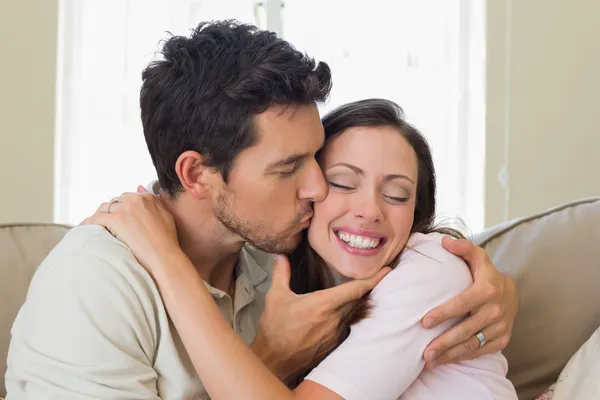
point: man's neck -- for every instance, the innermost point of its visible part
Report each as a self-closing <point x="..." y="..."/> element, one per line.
<point x="212" y="248"/>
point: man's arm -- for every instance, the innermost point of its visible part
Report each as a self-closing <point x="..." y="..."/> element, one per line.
<point x="83" y="333"/>
<point x="491" y="303"/>
<point x="294" y="329"/>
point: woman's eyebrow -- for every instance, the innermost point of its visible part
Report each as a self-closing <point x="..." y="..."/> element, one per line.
<point x="359" y="171"/>
<point x="352" y="167"/>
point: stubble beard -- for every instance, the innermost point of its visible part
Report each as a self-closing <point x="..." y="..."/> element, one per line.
<point x="255" y="233"/>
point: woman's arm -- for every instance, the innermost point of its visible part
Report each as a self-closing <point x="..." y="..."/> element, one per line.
<point x="227" y="367"/>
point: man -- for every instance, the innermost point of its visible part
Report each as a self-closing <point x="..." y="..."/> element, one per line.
<point x="231" y="124"/>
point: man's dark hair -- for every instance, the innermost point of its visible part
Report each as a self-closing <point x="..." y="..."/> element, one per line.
<point x="204" y="93"/>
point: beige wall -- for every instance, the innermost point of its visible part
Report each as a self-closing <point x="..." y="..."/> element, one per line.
<point x="27" y="106"/>
<point x="543" y="88"/>
<point x="543" y="103"/>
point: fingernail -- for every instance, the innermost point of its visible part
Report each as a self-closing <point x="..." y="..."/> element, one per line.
<point x="432" y="364"/>
<point x="431" y="355"/>
<point x="275" y="256"/>
<point x="429" y="323"/>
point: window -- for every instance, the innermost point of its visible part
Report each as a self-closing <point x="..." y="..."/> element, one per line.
<point x="426" y="55"/>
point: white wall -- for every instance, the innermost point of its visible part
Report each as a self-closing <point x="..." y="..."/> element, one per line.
<point x="27" y="106"/>
<point x="543" y="88"/>
<point x="543" y="98"/>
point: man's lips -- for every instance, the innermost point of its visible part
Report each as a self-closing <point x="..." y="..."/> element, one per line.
<point x="305" y="223"/>
<point x="308" y="217"/>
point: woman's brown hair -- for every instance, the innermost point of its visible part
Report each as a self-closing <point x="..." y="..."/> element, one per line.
<point x="309" y="271"/>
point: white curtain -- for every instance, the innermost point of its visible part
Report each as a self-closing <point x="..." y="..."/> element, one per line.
<point x="427" y="55"/>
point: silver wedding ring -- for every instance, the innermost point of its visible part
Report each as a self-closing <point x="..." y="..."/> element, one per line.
<point x="481" y="339"/>
<point x="112" y="201"/>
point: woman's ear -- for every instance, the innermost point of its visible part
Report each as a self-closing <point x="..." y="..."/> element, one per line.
<point x="194" y="175"/>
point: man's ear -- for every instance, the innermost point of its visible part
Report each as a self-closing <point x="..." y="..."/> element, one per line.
<point x="196" y="178"/>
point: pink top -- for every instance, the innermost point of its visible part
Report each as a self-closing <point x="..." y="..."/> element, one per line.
<point x="382" y="357"/>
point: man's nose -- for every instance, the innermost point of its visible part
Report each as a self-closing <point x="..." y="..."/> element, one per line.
<point x="314" y="187"/>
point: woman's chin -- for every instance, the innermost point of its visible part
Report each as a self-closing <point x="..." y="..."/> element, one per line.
<point x="339" y="277"/>
<point x="342" y="276"/>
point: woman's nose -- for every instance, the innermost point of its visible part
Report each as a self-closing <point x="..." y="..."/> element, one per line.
<point x="368" y="209"/>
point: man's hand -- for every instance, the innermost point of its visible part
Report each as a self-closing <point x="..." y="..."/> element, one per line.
<point x="295" y="329"/>
<point x="492" y="303"/>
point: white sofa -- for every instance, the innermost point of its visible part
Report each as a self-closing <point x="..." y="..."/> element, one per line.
<point x="554" y="257"/>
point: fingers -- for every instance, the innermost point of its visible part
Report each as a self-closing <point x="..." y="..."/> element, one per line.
<point x="102" y="209"/>
<point x="472" y="254"/>
<point x="111" y="205"/>
<point x="281" y="272"/>
<point x="123" y="201"/>
<point x="455" y="336"/>
<point x="101" y="219"/>
<point x="338" y="296"/>
<point x="490" y="347"/>
<point x="106" y="207"/>
<point x="470" y="348"/>
<point x="457" y="306"/>
<point x="130" y="208"/>
<point x="458" y="247"/>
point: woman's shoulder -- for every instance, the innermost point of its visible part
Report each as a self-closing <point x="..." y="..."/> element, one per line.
<point x="429" y="242"/>
<point x="425" y="265"/>
<point x="427" y="249"/>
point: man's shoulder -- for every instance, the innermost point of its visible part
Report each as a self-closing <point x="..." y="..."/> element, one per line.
<point x="95" y="313"/>
<point x="91" y="251"/>
<point x="90" y="239"/>
<point x="95" y="279"/>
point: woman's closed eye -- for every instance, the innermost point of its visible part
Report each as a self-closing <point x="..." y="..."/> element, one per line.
<point x="340" y="186"/>
<point x="392" y="199"/>
<point x="395" y="199"/>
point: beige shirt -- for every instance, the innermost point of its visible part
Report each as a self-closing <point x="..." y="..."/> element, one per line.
<point x="93" y="325"/>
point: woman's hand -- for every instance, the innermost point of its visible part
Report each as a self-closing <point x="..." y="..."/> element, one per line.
<point x="141" y="221"/>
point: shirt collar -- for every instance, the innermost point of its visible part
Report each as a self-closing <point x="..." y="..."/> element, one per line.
<point x="252" y="262"/>
<point x="249" y="262"/>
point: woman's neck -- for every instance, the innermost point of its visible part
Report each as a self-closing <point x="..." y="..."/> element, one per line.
<point x="338" y="278"/>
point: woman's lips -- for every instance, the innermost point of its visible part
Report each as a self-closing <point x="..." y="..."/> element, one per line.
<point x="360" y="251"/>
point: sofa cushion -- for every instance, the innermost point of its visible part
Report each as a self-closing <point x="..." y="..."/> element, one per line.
<point x="580" y="379"/>
<point x="22" y="249"/>
<point x="554" y="258"/>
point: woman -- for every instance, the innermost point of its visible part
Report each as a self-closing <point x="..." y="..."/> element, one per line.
<point x="380" y="211"/>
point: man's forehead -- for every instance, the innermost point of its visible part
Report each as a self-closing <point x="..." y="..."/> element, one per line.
<point x="288" y="125"/>
<point x="284" y="134"/>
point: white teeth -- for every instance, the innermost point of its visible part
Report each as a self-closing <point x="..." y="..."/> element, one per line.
<point x="360" y="242"/>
